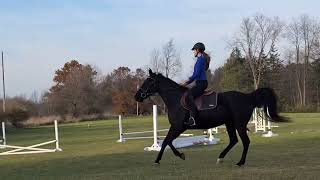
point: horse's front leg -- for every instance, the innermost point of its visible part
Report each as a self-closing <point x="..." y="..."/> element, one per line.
<point x="176" y="133"/>
<point x="172" y="134"/>
<point x="176" y="152"/>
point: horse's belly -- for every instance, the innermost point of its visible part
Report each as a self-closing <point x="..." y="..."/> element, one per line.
<point x="213" y="117"/>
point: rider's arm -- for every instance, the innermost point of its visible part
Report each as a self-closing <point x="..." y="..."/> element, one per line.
<point x="199" y="66"/>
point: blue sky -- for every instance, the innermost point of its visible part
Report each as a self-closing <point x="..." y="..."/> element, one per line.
<point x="39" y="36"/>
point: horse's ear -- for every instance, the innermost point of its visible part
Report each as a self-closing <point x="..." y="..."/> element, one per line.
<point x="150" y="72"/>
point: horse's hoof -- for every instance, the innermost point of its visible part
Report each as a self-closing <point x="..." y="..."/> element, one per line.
<point x="182" y="156"/>
<point x="156" y="163"/>
<point x="219" y="160"/>
<point x="239" y="164"/>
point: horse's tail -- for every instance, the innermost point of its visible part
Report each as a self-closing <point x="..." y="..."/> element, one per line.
<point x="266" y="98"/>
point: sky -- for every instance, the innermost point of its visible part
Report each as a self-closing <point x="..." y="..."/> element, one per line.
<point x="39" y="36"/>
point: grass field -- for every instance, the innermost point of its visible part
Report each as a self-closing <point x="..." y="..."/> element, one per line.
<point x="90" y="152"/>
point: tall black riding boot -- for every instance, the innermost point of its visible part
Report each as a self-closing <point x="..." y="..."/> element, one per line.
<point x="191" y="121"/>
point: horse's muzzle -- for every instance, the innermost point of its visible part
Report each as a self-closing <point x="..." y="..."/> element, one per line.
<point x="138" y="97"/>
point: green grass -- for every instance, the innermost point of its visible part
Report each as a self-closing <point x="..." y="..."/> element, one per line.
<point x="91" y="152"/>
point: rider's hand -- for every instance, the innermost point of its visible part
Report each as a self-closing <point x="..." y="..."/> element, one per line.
<point x="184" y="84"/>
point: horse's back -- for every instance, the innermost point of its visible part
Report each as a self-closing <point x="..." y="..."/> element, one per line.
<point x="240" y="105"/>
<point x="235" y="98"/>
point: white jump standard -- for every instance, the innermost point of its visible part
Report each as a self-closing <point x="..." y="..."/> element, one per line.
<point x="30" y="149"/>
<point x="3" y="139"/>
<point x="124" y="136"/>
<point x="178" y="143"/>
<point x="261" y="123"/>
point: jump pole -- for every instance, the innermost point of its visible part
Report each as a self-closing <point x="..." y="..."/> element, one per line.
<point x="211" y="137"/>
<point x="269" y="133"/>
<point x="121" y="139"/>
<point x="33" y="149"/>
<point x="259" y="120"/>
<point x="155" y="146"/>
<point x="179" y="142"/>
<point x="3" y="104"/>
<point x="4" y="141"/>
<point x="57" y="135"/>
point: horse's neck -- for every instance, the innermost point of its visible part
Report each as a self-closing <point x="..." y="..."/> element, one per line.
<point x="170" y="93"/>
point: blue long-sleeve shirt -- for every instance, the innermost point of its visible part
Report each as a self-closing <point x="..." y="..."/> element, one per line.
<point x="199" y="72"/>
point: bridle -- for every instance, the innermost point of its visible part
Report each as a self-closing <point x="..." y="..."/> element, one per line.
<point x="144" y="93"/>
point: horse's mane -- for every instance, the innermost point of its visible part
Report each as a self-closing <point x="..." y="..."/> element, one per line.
<point x="171" y="82"/>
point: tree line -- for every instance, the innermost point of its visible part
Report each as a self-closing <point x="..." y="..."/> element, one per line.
<point x="254" y="61"/>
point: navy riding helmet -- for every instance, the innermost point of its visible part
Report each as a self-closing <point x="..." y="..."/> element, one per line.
<point x="199" y="46"/>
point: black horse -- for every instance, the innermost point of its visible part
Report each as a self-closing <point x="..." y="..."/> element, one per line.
<point x="234" y="109"/>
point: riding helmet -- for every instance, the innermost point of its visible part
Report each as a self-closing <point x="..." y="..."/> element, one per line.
<point x="199" y="46"/>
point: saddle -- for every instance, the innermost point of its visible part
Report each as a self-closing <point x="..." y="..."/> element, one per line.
<point x="208" y="100"/>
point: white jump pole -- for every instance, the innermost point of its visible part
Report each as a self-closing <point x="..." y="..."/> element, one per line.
<point x="260" y="120"/>
<point x="270" y="133"/>
<point x="215" y="130"/>
<point x="155" y="124"/>
<point x="155" y="146"/>
<point x="121" y="139"/>
<point x="210" y="136"/>
<point x="33" y="148"/>
<point x="179" y="142"/>
<point x="255" y="120"/>
<point x="4" y="141"/>
<point x="57" y="135"/>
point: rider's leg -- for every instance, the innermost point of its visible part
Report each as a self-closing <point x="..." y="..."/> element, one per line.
<point x="191" y="121"/>
<point x="193" y="93"/>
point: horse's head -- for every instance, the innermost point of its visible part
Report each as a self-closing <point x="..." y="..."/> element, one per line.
<point x="148" y="88"/>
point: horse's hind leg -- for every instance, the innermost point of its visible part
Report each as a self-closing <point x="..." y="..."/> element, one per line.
<point x="242" y="131"/>
<point x="233" y="141"/>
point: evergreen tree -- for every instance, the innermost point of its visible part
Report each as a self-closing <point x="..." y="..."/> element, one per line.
<point x="215" y="78"/>
<point x="236" y="75"/>
<point x="271" y="76"/>
<point x="316" y="82"/>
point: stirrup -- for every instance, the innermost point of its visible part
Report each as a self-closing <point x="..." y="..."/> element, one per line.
<point x="191" y="118"/>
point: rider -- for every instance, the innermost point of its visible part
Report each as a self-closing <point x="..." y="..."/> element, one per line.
<point x="199" y="76"/>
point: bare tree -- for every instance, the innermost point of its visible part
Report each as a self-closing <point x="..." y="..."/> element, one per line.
<point x="294" y="37"/>
<point x="315" y="50"/>
<point x="303" y="34"/>
<point x="171" y="63"/>
<point x="309" y="35"/>
<point x="166" y="62"/>
<point x="156" y="61"/>
<point x="34" y="97"/>
<point x="257" y="36"/>
<point x="290" y="76"/>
